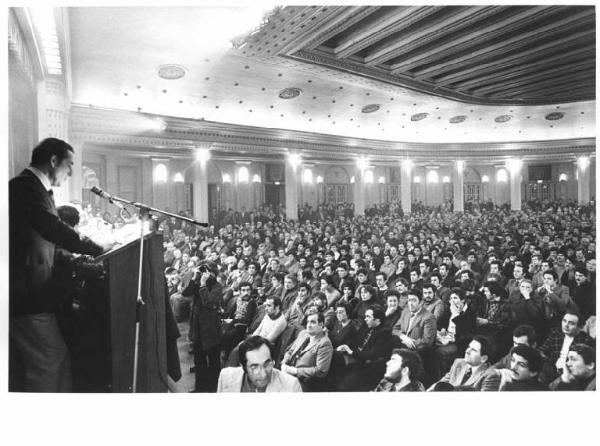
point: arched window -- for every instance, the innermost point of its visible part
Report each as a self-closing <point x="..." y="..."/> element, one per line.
<point x="485" y="179"/>
<point x="501" y="176"/>
<point x="417" y="179"/>
<point x="226" y="178"/>
<point x="369" y="177"/>
<point x="243" y="175"/>
<point x="562" y="177"/>
<point x="446" y="179"/>
<point x="432" y="176"/>
<point x="307" y="176"/>
<point x="160" y="173"/>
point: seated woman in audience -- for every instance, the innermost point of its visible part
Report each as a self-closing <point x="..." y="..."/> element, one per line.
<point x="348" y="291"/>
<point x="343" y="331"/>
<point x="367" y="298"/>
<point x="393" y="309"/>
<point x="456" y="332"/>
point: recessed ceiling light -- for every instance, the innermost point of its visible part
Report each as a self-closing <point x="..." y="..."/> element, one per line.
<point x="290" y="93"/>
<point x="171" y="72"/>
<point x="370" y="108"/>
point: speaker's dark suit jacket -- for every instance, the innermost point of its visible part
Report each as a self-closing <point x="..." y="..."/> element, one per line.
<point x="34" y="231"/>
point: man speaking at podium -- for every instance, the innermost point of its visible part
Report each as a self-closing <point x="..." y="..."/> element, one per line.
<point x="39" y="360"/>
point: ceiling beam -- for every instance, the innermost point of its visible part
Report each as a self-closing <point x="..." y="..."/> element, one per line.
<point x="371" y="33"/>
<point x="456" y="18"/>
<point x="310" y="33"/>
<point x="521" y="39"/>
<point x="564" y="71"/>
<point x="588" y="51"/>
<point x="517" y="58"/>
<point x="473" y="36"/>
<point x="343" y="20"/>
<point x="555" y="84"/>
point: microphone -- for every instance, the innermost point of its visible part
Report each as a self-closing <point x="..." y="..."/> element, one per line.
<point x="96" y="190"/>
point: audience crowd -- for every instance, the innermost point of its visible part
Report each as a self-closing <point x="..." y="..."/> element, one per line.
<point x="485" y="300"/>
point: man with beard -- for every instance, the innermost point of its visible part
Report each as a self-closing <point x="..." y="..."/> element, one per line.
<point x="402" y="373"/>
<point x="432" y="303"/>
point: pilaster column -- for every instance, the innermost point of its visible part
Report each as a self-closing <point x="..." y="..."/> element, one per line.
<point x="458" y="186"/>
<point x="405" y="186"/>
<point x="53" y="121"/>
<point x="200" y="188"/>
<point x="514" y="174"/>
<point x="292" y="166"/>
<point x="583" y="179"/>
<point x="359" y="190"/>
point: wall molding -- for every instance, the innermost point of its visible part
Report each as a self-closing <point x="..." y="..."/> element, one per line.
<point x="110" y="127"/>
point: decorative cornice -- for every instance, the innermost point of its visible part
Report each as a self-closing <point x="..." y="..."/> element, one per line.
<point x="110" y="128"/>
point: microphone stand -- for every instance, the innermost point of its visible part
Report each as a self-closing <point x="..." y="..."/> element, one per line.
<point x="144" y="215"/>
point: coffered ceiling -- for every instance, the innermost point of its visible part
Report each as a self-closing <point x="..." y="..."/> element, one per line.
<point x="422" y="74"/>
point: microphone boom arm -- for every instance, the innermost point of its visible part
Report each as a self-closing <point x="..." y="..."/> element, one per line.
<point x="144" y="208"/>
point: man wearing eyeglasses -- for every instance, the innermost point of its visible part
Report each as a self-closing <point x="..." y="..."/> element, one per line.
<point x="256" y="373"/>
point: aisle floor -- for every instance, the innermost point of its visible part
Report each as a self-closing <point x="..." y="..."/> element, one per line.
<point x="186" y="383"/>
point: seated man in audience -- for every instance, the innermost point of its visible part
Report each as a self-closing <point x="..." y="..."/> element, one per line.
<point x="416" y="328"/>
<point x="402" y="373"/>
<point x="274" y="321"/>
<point x="257" y="372"/>
<point x="579" y="372"/>
<point x="366" y="363"/>
<point x="296" y="313"/>
<point x="523" y="375"/>
<point x="309" y="357"/>
<point x="289" y="292"/>
<point x="236" y="323"/>
<point x="527" y="308"/>
<point x="584" y="293"/>
<point x="555" y="298"/>
<point x="556" y="346"/>
<point x="415" y="279"/>
<point x="469" y="372"/>
<point x="513" y="285"/>
<point x="432" y="303"/>
<point x="442" y="292"/>
<point x="382" y="287"/>
<point x="522" y="335"/>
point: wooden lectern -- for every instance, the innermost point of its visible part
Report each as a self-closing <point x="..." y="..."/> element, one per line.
<point x="105" y="360"/>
